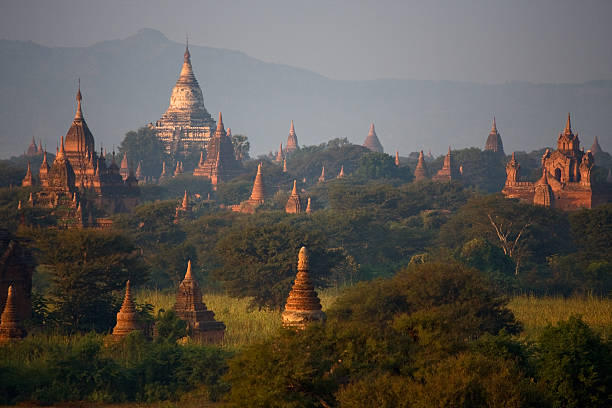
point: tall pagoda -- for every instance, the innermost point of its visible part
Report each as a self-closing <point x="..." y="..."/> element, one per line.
<point x="292" y="141"/>
<point x="494" y="141"/>
<point x="186" y="126"/>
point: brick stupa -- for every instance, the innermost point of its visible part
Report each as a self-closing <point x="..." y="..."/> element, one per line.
<point x="448" y="172"/>
<point x="10" y="323"/>
<point x="127" y="318"/>
<point x="189" y="307"/>
<point x="420" y="172"/>
<point x="293" y="205"/>
<point x="372" y="141"/>
<point x="303" y="304"/>
<point x="292" y="142"/>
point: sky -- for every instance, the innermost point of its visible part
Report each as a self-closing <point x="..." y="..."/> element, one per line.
<point x="486" y="41"/>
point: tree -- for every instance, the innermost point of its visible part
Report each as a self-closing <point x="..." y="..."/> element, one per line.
<point x="143" y="146"/>
<point x="86" y="268"/>
<point x="241" y="147"/>
<point x="574" y="365"/>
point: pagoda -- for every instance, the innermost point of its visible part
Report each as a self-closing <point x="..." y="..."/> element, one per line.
<point x="322" y="176"/>
<point x="494" y="141"/>
<point x="448" y="172"/>
<point x="341" y="174"/>
<point x="293" y="205"/>
<point x="303" y="305"/>
<point x="33" y="150"/>
<point x="16" y="269"/>
<point x="220" y="163"/>
<point x="186" y="126"/>
<point x="372" y="142"/>
<point x="420" y="172"/>
<point x="28" y="180"/>
<point x="10" y="324"/>
<point x="127" y="319"/>
<point x="190" y="307"/>
<point x="292" y="141"/>
<point x="308" y="207"/>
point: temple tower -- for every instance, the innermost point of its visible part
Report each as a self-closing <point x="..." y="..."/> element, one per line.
<point x="494" y="141"/>
<point x="448" y="172"/>
<point x="543" y="193"/>
<point x="372" y="142"/>
<point x="513" y="170"/>
<point x="10" y="324"/>
<point x="186" y="125"/>
<point x="124" y="170"/>
<point x="420" y="172"/>
<point x="258" y="193"/>
<point x="292" y="141"/>
<point x="279" y="153"/>
<point x="303" y="304"/>
<point x="127" y="319"/>
<point x="28" y="180"/>
<point x="293" y="205"/>
<point x="190" y="307"/>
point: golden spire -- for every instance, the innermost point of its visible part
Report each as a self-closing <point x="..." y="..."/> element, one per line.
<point x="258" y="192"/>
<point x="494" y="126"/>
<point x="188" y="275"/>
<point x="294" y="191"/>
<point x="303" y="260"/>
<point x="341" y="174"/>
<point x="292" y="130"/>
<point x="185" y="203"/>
<point x="308" y="207"/>
<point x="279" y="154"/>
<point x="79" y="112"/>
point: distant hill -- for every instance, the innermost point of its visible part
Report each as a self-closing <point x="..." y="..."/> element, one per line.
<point x="126" y="84"/>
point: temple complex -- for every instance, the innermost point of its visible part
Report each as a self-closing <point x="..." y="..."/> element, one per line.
<point x="420" y="172"/>
<point x="16" y="269"/>
<point x="220" y="163"/>
<point x="189" y="306"/>
<point x="127" y="318"/>
<point x="10" y="323"/>
<point x="186" y="126"/>
<point x="303" y="304"/>
<point x="78" y="171"/>
<point x="292" y="141"/>
<point x="566" y="177"/>
<point x="494" y="141"/>
<point x="294" y="205"/>
<point x="372" y="142"/>
<point x="448" y="172"/>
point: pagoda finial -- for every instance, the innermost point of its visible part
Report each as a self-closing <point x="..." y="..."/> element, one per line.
<point x="187" y="55"/>
<point x="303" y="259"/>
<point x="220" y="126"/>
<point x="568" y="125"/>
<point x="61" y="152"/>
<point x="397" y="161"/>
<point x="294" y="191"/>
<point x="259" y="169"/>
<point x="188" y="275"/>
<point x="292" y="130"/>
<point x="371" y="129"/>
<point x="79" y="97"/>
<point x="494" y="126"/>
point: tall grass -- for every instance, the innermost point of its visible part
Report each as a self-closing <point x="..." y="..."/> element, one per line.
<point x="247" y="325"/>
<point x="538" y="312"/>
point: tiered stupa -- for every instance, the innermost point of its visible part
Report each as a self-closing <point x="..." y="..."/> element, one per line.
<point x="10" y="323"/>
<point x="127" y="319"/>
<point x="28" y="180"/>
<point x="448" y="172"/>
<point x="284" y="165"/>
<point x="258" y="193"/>
<point x="494" y="141"/>
<point x="190" y="307"/>
<point x="420" y="172"/>
<point x="220" y="163"/>
<point x="293" y="205"/>
<point x="186" y="126"/>
<point x="372" y="142"/>
<point x="292" y="141"/>
<point x="303" y="304"/>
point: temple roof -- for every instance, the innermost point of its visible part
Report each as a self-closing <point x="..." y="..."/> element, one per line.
<point x="79" y="139"/>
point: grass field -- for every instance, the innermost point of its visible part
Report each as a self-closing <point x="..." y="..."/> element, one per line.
<point x="246" y="325"/>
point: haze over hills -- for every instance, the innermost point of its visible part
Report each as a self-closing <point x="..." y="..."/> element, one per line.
<point x="126" y="84"/>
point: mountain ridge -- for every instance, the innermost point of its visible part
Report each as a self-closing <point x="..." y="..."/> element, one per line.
<point x="126" y="83"/>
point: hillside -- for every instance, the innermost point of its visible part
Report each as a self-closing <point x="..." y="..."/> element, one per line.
<point x="126" y="83"/>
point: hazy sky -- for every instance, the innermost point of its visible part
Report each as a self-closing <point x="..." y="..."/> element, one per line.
<point x="472" y="40"/>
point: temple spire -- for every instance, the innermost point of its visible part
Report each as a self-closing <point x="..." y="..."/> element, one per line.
<point x="220" y="126"/>
<point x="494" y="126"/>
<point x="79" y="98"/>
<point x="568" y="125"/>
<point x="187" y="55"/>
<point x="188" y="275"/>
<point x="397" y="162"/>
<point x="308" y="207"/>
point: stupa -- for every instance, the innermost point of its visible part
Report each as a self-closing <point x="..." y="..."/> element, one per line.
<point x="397" y="161"/>
<point x="372" y="142"/>
<point x="127" y="319"/>
<point x="341" y="174"/>
<point x="420" y="172"/>
<point x="186" y="126"/>
<point x="292" y="141"/>
<point x="10" y="323"/>
<point x="293" y="205"/>
<point x="448" y="172"/>
<point x="190" y="307"/>
<point x="322" y="176"/>
<point x="28" y="180"/>
<point x="279" y="153"/>
<point x="494" y="141"/>
<point x="303" y="304"/>
<point x="308" y="207"/>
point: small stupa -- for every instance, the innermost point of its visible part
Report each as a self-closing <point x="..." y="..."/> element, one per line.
<point x="28" y="180"/>
<point x="127" y="319"/>
<point x="303" y="304"/>
<point x="258" y="193"/>
<point x="397" y="162"/>
<point x="293" y="205"/>
<point x="279" y="154"/>
<point x="284" y="165"/>
<point x="164" y="173"/>
<point x="292" y="142"/>
<point x="543" y="193"/>
<point x="341" y="174"/>
<point x="10" y="324"/>
<point x="308" y="207"/>
<point x="190" y="307"/>
<point x="322" y="176"/>
<point x="124" y="170"/>
<point x="448" y="172"/>
<point x="420" y="172"/>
